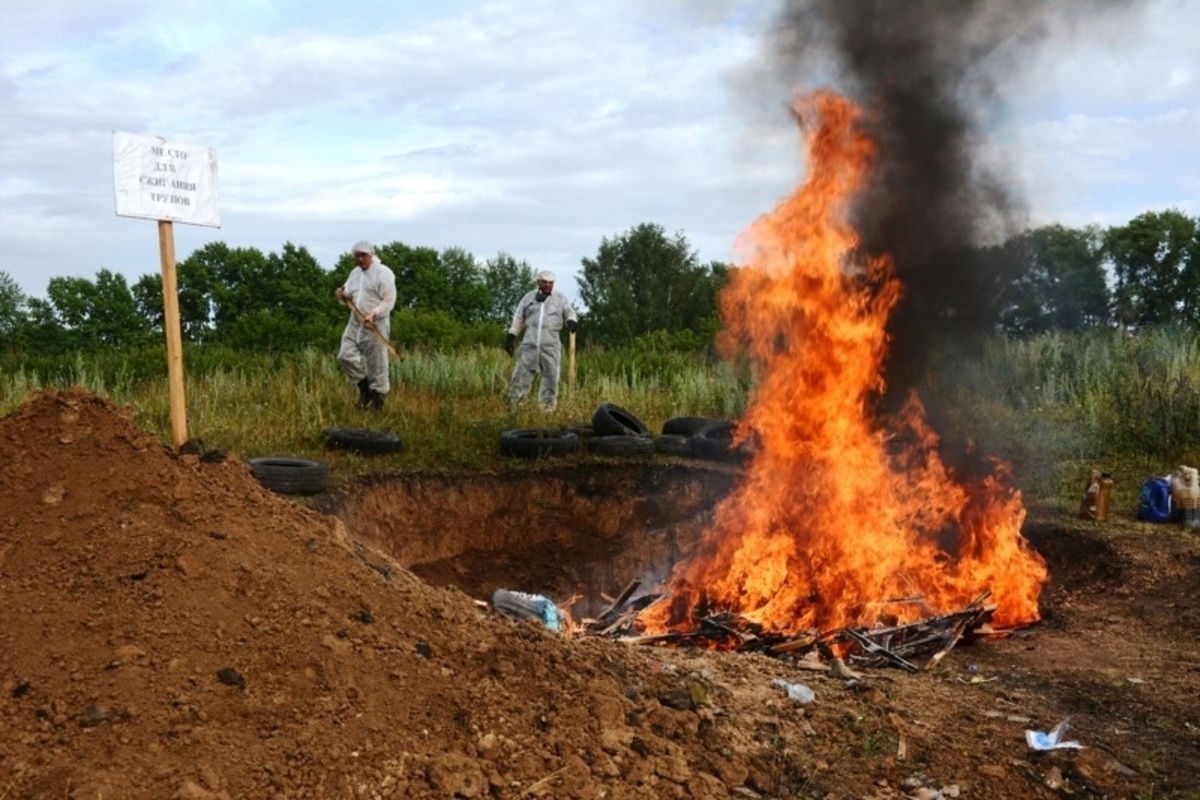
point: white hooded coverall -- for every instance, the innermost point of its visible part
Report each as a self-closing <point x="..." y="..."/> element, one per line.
<point x="539" y="350"/>
<point x="362" y="354"/>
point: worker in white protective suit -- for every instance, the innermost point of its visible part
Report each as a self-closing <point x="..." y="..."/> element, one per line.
<point x="541" y="314"/>
<point x="363" y="355"/>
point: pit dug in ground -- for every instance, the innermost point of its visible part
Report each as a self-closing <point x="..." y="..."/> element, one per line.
<point x="1116" y="653"/>
<point x="576" y="535"/>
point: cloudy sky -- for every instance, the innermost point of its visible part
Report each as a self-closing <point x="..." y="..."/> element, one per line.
<point x="530" y="127"/>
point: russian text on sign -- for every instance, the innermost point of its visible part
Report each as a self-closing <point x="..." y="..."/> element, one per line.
<point x="161" y="180"/>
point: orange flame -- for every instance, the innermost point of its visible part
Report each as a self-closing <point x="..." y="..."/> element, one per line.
<point x="829" y="525"/>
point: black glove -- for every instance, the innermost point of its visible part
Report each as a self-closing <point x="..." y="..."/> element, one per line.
<point x="510" y="342"/>
<point x="572" y="325"/>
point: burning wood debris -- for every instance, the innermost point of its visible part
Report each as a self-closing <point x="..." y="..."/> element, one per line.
<point x="840" y="505"/>
<point x="901" y="646"/>
<point x="843" y="508"/>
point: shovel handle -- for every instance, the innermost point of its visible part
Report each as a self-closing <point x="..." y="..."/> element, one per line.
<point x="371" y="327"/>
<point x="571" y="359"/>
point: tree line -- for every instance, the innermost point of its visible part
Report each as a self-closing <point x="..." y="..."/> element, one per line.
<point x="1139" y="275"/>
<point x="642" y="284"/>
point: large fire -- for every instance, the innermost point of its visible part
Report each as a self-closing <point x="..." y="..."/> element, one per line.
<point x="833" y="525"/>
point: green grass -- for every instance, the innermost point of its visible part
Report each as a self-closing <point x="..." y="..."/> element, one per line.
<point x="1058" y="405"/>
<point x="448" y="408"/>
<point x="1054" y="407"/>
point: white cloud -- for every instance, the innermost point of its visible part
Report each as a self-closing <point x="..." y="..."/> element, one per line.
<point x="534" y="127"/>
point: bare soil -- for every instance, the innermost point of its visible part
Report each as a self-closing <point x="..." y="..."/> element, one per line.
<point x="172" y="629"/>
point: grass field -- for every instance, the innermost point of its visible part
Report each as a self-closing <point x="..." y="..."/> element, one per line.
<point x="1054" y="406"/>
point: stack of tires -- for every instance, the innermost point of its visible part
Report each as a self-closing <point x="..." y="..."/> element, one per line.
<point x="620" y="433"/>
<point x="677" y="433"/>
<point x="617" y="433"/>
<point x="703" y="437"/>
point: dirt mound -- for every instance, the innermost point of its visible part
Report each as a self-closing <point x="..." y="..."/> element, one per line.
<point x="172" y="629"/>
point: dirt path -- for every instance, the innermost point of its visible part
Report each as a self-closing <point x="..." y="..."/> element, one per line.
<point x="172" y="629"/>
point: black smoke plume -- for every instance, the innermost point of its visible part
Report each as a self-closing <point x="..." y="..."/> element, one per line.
<point x="929" y="75"/>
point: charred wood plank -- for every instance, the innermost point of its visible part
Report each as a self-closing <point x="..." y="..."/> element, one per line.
<point x="807" y="642"/>
<point x="621" y="600"/>
<point x="940" y="654"/>
<point x="878" y="651"/>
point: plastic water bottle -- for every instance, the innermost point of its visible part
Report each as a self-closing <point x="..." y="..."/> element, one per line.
<point x="796" y="691"/>
<point x="522" y="605"/>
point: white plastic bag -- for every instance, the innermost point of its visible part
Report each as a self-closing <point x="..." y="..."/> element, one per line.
<point x="1052" y="740"/>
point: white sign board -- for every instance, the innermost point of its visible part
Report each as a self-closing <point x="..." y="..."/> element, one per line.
<point x="157" y="179"/>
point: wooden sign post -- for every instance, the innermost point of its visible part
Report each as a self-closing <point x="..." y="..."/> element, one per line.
<point x="172" y="327"/>
<point x="168" y="182"/>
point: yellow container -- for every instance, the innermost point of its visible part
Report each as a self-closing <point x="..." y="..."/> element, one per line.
<point x="1106" y="484"/>
<point x="1096" y="494"/>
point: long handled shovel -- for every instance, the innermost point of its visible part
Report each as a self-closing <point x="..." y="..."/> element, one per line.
<point x="371" y="327"/>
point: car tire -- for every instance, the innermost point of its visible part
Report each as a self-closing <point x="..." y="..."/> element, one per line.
<point x="621" y="445"/>
<point x="611" y="420"/>
<point x="687" y="426"/>
<point x="673" y="444"/>
<point x="715" y="443"/>
<point x="290" y="475"/>
<point x="583" y="430"/>
<point x="537" y="442"/>
<point x="361" y="440"/>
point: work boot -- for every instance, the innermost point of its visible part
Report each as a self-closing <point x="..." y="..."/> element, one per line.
<point x="364" y="393"/>
<point x="375" y="403"/>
